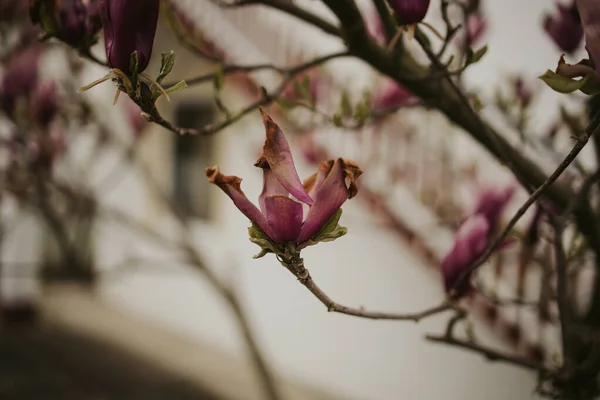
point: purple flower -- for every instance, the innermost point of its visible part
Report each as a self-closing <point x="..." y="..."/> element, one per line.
<point x="129" y="25"/>
<point x="470" y="243"/>
<point x="281" y="216"/>
<point x="391" y="96"/>
<point x="473" y="237"/>
<point x="44" y="103"/>
<point x="476" y="27"/>
<point x="590" y="19"/>
<point x="75" y="22"/>
<point x="20" y="78"/>
<point x="565" y="28"/>
<point x="410" y="11"/>
<point x="492" y="202"/>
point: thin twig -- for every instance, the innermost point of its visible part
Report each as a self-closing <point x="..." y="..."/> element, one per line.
<point x="295" y="265"/>
<point x="488" y="353"/>
<point x="288" y="7"/>
<point x="266" y="98"/>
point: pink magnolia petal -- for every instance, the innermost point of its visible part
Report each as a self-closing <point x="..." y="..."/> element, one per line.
<point x="469" y="245"/>
<point x="277" y="153"/>
<point x="337" y="187"/>
<point x="492" y="202"/>
<point x="271" y="186"/>
<point x="231" y="186"/>
<point x="314" y="182"/>
<point x="284" y="216"/>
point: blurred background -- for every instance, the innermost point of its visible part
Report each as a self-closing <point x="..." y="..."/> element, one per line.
<point x="101" y="301"/>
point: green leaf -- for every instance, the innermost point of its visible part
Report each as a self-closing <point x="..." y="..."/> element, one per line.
<point x="330" y="226"/>
<point x="337" y="120"/>
<point x="167" y="61"/>
<point x="561" y="84"/>
<point x="336" y="233"/>
<point x="474" y="57"/>
<point x="345" y="105"/>
<point x="362" y="113"/>
<point x="134" y="65"/>
<point x="256" y="233"/>
<point x="258" y="237"/>
<point x="177" y="87"/>
<point x="219" y="79"/>
<point x="262" y="253"/>
<point x="287" y="104"/>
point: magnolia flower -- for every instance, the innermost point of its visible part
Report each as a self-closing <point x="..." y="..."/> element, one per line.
<point x="392" y="95"/>
<point x="44" y="103"/>
<point x="565" y="28"/>
<point x="590" y="19"/>
<point x="129" y="25"/>
<point x="281" y="215"/>
<point x="470" y="243"/>
<point x="476" y="27"/>
<point x="473" y="237"/>
<point x="492" y="202"/>
<point x="20" y="78"/>
<point x="410" y="11"/>
<point x="75" y="22"/>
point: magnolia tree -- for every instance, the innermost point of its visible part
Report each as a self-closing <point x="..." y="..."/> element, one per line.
<point x="292" y="214"/>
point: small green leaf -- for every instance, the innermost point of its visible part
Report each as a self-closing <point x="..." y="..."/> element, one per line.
<point x="561" y="84"/>
<point x="330" y="225"/>
<point x="177" y="87"/>
<point x="134" y="67"/>
<point x="337" y="120"/>
<point x="287" y="104"/>
<point x="474" y="57"/>
<point x="262" y="253"/>
<point x="258" y="237"/>
<point x="336" y="233"/>
<point x="256" y="233"/>
<point x="219" y="79"/>
<point x="345" y="105"/>
<point x="167" y="61"/>
<point x="361" y="113"/>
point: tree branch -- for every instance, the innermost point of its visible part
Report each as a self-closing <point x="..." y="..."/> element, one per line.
<point x="288" y="7"/>
<point x="267" y="97"/>
<point x="489" y="353"/>
<point x="592" y="129"/>
<point x="295" y="265"/>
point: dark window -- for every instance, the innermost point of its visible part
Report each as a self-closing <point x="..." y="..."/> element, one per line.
<point x="193" y="153"/>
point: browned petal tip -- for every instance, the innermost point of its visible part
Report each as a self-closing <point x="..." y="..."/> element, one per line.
<point x="262" y="163"/>
<point x="211" y="173"/>
<point x="215" y="176"/>
<point x="351" y="173"/>
<point x="270" y="125"/>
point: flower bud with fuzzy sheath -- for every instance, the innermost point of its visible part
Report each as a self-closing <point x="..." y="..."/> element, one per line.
<point x="565" y="28"/>
<point x="410" y="11"/>
<point x="129" y="26"/>
<point x="281" y="216"/>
